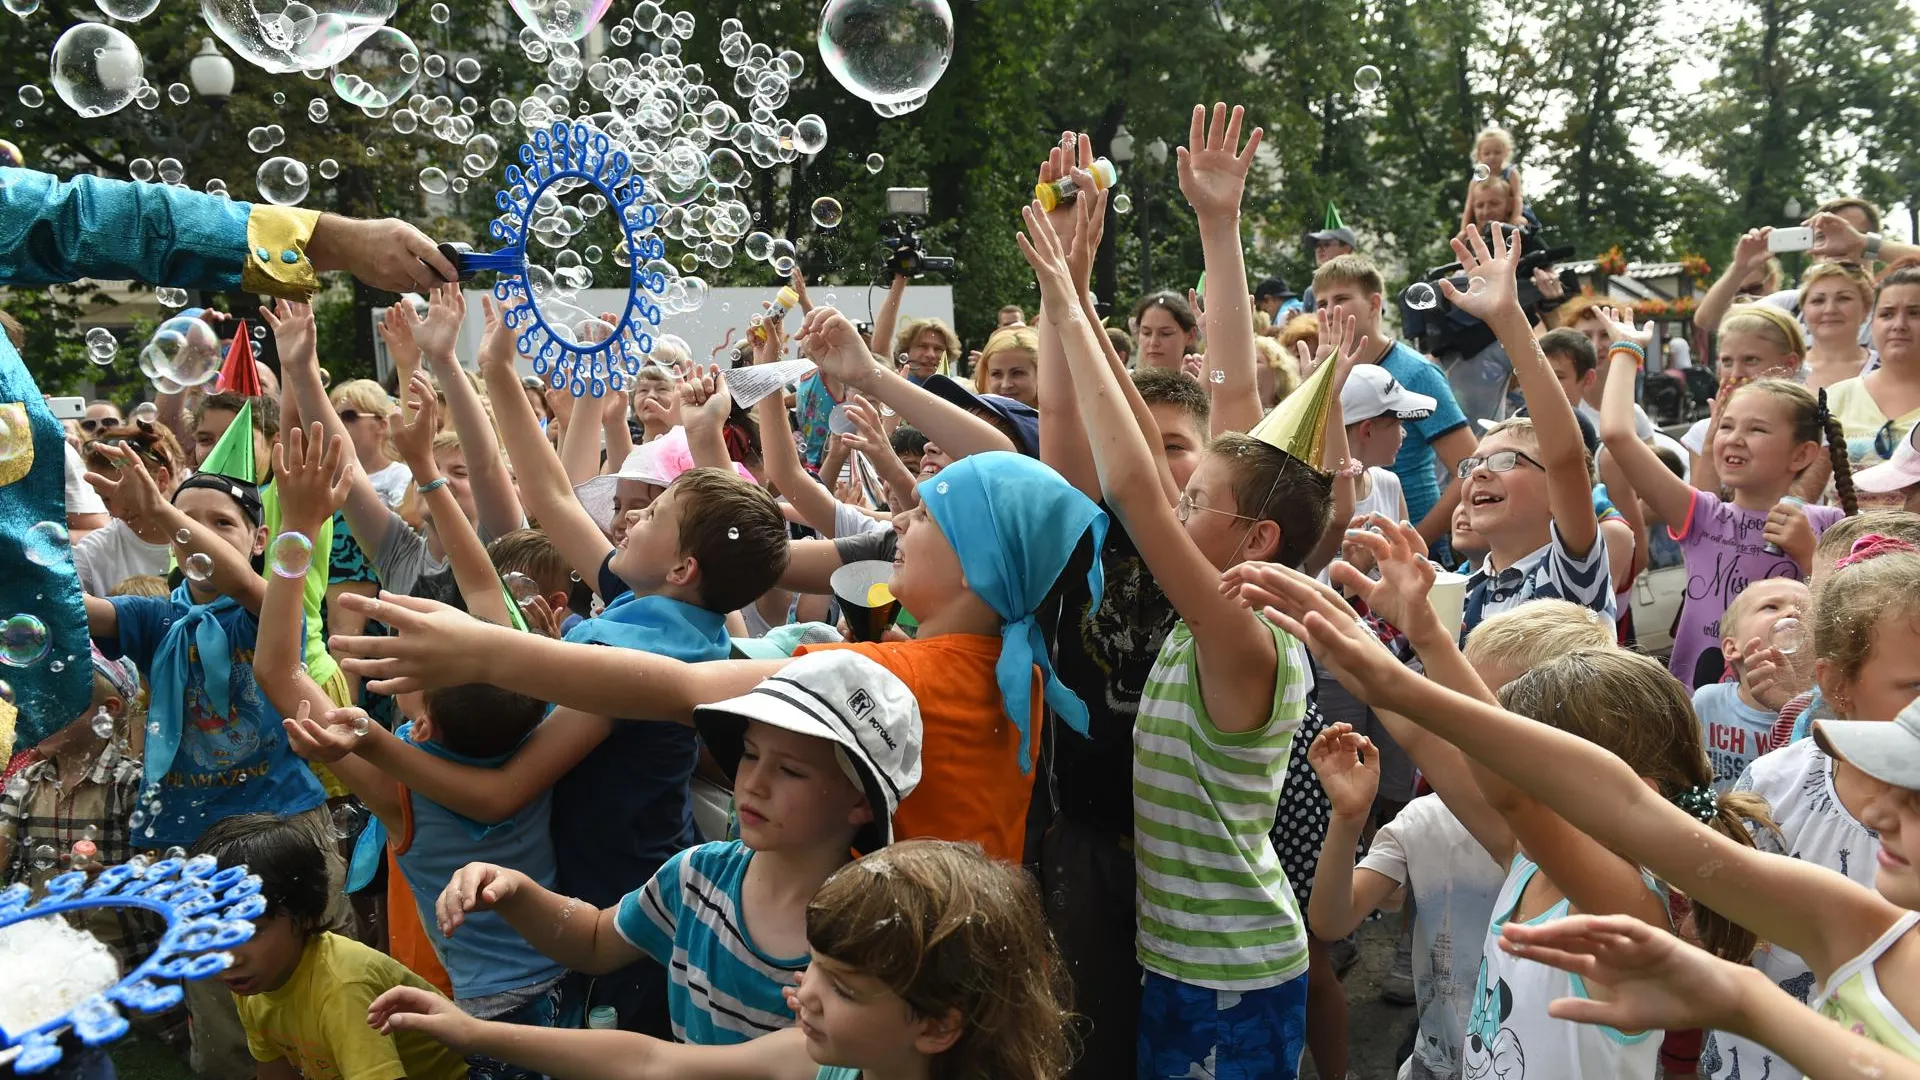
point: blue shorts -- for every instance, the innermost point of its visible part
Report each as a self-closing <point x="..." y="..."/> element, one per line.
<point x="1221" y="1034"/>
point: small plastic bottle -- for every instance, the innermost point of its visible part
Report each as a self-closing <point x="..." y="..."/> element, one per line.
<point x="1064" y="190"/>
<point x="782" y="303"/>
<point x="603" y="1018"/>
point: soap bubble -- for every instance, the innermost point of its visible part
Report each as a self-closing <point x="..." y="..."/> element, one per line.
<point x="147" y="97"/>
<point x="173" y="298"/>
<point x="439" y="13"/>
<point x="361" y="725"/>
<point x="726" y="168"/>
<point x="178" y="93"/>
<point x="875" y="163"/>
<point x="318" y="110"/>
<point x="258" y="140"/>
<point x="826" y="212"/>
<point x="127" y="10"/>
<point x="217" y="186"/>
<point x="810" y="134"/>
<point x="141" y="169"/>
<point x="102" y="723"/>
<point x="433" y="180"/>
<point x="44" y="857"/>
<point x="23" y="641"/>
<point x="348" y="820"/>
<point x="1476" y="286"/>
<point x="466" y="70"/>
<point x="282" y="181"/>
<point x="171" y="171"/>
<point x="561" y="20"/>
<point x="885" y="51"/>
<point x="197" y="567"/>
<point x="483" y="152"/>
<point x="290" y="555"/>
<point x="502" y="111"/>
<point x="1367" y="79"/>
<point x="184" y="351"/>
<point x="146" y="410"/>
<point x="101" y="342"/>
<point x="1480" y="171"/>
<point x="32" y="96"/>
<point x="1788" y="635"/>
<point x="1421" y="297"/>
<point x="434" y="66"/>
<point x="521" y="587"/>
<point x="758" y="245"/>
<point x="46" y="544"/>
<point x="23" y="8"/>
<point x="96" y="69"/>
<point x="379" y="71"/>
<point x="1122" y="203"/>
<point x="284" y="36"/>
<point x="184" y="536"/>
<point x="329" y="168"/>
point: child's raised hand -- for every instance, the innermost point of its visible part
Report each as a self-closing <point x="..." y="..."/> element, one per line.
<point x="866" y="436"/>
<point x="293" y="332"/>
<point x="132" y="496"/>
<point x="409" y="1008"/>
<point x="446" y="310"/>
<point x="1658" y="981"/>
<point x="1041" y="246"/>
<point x="1772" y="676"/>
<point x="542" y="619"/>
<point x="1089" y="224"/>
<point x="1213" y="165"/>
<point x="396" y="329"/>
<point x="328" y="739"/>
<point x="703" y="399"/>
<point x="831" y="341"/>
<point x="1406" y="575"/>
<point x="415" y="428"/>
<point x="1072" y="155"/>
<point x="1317" y="615"/>
<point x="432" y="645"/>
<point x="312" y="476"/>
<point x="476" y="886"/>
<point x="497" y="345"/>
<point x="1491" y="290"/>
<point x="1620" y="326"/>
<point x="1349" y="769"/>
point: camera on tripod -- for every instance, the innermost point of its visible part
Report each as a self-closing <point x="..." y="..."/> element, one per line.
<point x="903" y="251"/>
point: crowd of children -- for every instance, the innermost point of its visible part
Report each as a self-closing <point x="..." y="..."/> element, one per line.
<point x="563" y="746"/>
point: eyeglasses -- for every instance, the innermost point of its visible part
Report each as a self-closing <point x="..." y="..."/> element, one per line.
<point x="1186" y="506"/>
<point x="348" y="416"/>
<point x="1503" y="461"/>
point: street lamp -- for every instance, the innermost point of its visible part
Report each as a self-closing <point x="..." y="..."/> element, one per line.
<point x="1792" y="208"/>
<point x="211" y="73"/>
<point x="1121" y="145"/>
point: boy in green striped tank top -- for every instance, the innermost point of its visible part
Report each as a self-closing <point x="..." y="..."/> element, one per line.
<point x="1220" y="933"/>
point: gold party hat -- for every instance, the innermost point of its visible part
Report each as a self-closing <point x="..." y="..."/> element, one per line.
<point x="1297" y="426"/>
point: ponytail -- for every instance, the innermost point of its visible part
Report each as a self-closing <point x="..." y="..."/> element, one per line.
<point x="1729" y="815"/>
<point x="1837" y="453"/>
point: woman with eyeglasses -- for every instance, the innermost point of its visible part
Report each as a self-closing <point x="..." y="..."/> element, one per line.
<point x="1877" y="410"/>
<point x="111" y="554"/>
<point x="366" y="409"/>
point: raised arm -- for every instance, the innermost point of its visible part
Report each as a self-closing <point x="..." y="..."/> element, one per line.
<point x="1562" y="452"/>
<point x="562" y="928"/>
<point x="134" y="498"/>
<point x="543" y="480"/>
<point x="309" y="471"/>
<point x="494" y="497"/>
<point x="829" y="340"/>
<point x="1668" y="495"/>
<point x="434" y="645"/>
<point x="1348" y="768"/>
<point x="1213" y="176"/>
<point x="1813" y="911"/>
<point x="580" y="442"/>
<point x="1749" y="256"/>
<point x="886" y="319"/>
<point x="704" y="404"/>
<point x="473" y="572"/>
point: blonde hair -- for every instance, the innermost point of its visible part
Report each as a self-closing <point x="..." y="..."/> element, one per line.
<point x="1742" y="602"/>
<point x="949" y="341"/>
<point x="1497" y="134"/>
<point x="1005" y="339"/>
<point x="1629" y="705"/>
<point x="1778" y="327"/>
<point x="1838" y="540"/>
<point x="1286" y="370"/>
<point x="362" y="395"/>
<point x="1349" y="269"/>
<point x="1534" y="633"/>
<point x="1850" y="272"/>
<point x="149" y="585"/>
<point x="1301" y="328"/>
<point x="949" y="930"/>
<point x="1853" y="603"/>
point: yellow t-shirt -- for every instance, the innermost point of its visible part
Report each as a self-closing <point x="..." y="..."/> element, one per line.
<point x="318" y="1020"/>
<point x="1869" y="432"/>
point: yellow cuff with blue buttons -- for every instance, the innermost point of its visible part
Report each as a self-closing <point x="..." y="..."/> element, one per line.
<point x="277" y="263"/>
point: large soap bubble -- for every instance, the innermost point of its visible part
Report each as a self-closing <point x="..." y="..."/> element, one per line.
<point x="96" y="69"/>
<point x="127" y="10"/>
<point x="379" y="71"/>
<point x="886" y="50"/>
<point x="561" y="20"/>
<point x="184" y="351"/>
<point x="295" y="35"/>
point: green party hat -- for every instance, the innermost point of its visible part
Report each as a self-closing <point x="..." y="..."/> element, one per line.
<point x="1333" y="218"/>
<point x="232" y="456"/>
<point x="1297" y="426"/>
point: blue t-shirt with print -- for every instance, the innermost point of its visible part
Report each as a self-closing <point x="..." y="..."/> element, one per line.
<point x="723" y="988"/>
<point x="234" y="764"/>
<point x="1415" y="462"/>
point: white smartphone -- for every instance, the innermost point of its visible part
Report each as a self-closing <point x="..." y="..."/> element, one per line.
<point x="1797" y="238"/>
<point x="67" y="408"/>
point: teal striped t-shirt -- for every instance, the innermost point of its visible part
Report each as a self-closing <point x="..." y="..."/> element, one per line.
<point x="1214" y="904"/>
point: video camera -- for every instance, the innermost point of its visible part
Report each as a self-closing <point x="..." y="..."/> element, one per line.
<point x="1447" y="333"/>
<point x="902" y="250"/>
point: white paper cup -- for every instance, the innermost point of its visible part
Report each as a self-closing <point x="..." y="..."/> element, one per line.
<point x="1449" y="599"/>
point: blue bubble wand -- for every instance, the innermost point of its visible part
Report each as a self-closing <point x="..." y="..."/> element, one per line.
<point x="569" y="155"/>
<point x="206" y="910"/>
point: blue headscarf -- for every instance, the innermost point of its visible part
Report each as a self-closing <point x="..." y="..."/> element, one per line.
<point x="1014" y="524"/>
<point x="200" y="626"/>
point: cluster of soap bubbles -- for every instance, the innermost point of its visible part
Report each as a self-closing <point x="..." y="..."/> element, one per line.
<point x="102" y="346"/>
<point x="183" y="352"/>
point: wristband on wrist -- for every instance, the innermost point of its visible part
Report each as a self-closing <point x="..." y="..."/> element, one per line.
<point x="433" y="485"/>
<point x="1873" y="245"/>
<point x="1631" y="348"/>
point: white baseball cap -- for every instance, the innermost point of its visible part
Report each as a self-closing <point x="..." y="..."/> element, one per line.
<point x="839" y="695"/>
<point x="1899" y="471"/>
<point x="1371" y="392"/>
<point x="1888" y="751"/>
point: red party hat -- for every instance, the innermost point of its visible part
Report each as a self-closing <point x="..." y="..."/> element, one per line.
<point x="239" y="374"/>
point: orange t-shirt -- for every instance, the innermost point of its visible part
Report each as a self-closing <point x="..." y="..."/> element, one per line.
<point x="971" y="783"/>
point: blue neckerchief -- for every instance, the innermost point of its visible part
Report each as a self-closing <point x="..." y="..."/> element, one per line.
<point x="373" y="838"/>
<point x="168" y="679"/>
<point x="657" y="624"/>
<point x="1014" y="523"/>
<point x="1803" y="724"/>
